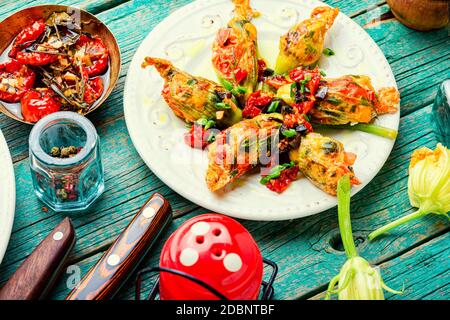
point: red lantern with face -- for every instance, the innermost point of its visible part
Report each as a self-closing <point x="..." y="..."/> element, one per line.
<point x="217" y="250"/>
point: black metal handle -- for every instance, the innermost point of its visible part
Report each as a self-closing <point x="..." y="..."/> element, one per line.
<point x="267" y="293"/>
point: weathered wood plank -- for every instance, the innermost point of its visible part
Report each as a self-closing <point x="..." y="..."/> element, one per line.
<point x="301" y="247"/>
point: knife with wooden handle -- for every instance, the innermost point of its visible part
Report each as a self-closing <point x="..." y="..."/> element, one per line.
<point x="40" y="270"/>
<point x="105" y="278"/>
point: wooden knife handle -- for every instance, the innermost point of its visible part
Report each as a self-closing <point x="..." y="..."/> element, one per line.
<point x="105" y="278"/>
<point x="40" y="270"/>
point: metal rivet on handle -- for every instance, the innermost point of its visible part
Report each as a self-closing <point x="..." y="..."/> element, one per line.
<point x="58" y="236"/>
<point x="149" y="212"/>
<point x="113" y="260"/>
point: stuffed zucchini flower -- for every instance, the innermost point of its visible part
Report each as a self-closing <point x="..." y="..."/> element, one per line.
<point x="352" y="99"/>
<point x="242" y="147"/>
<point x="192" y="98"/>
<point x="235" y="53"/>
<point x="323" y="161"/>
<point x="303" y="44"/>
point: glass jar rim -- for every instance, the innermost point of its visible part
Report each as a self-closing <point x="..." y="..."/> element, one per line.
<point x="61" y="116"/>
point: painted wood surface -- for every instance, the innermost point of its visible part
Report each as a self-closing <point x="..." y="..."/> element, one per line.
<point x="308" y="250"/>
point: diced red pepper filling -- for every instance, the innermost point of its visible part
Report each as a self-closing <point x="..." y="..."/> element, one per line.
<point x="284" y="180"/>
<point x="240" y="75"/>
<point x="255" y="103"/>
<point x="197" y="137"/>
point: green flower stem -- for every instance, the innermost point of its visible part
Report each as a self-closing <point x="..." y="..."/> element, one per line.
<point x="365" y="127"/>
<point x="394" y="224"/>
<point x="345" y="226"/>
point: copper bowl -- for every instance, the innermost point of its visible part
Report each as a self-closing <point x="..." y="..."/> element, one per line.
<point x="11" y="26"/>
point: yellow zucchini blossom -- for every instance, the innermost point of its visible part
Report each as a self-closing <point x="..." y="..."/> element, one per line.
<point x="428" y="186"/>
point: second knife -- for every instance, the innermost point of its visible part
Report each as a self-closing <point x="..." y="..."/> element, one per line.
<point x="105" y="278"/>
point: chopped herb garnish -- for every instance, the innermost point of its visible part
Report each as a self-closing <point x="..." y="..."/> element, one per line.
<point x="209" y="124"/>
<point x="328" y="52"/>
<point x="289" y="133"/>
<point x="307" y="77"/>
<point x="275" y="172"/>
<point x="302" y="87"/>
<point x="241" y="89"/>
<point x="333" y="101"/>
<point x="211" y="138"/>
<point x="273" y="106"/>
<point x="223" y="105"/>
<point x="323" y="73"/>
<point x="306" y="117"/>
<point x="191" y="82"/>
<point x="227" y="84"/>
<point x="202" y="121"/>
<point x="293" y="89"/>
<point x="365" y="102"/>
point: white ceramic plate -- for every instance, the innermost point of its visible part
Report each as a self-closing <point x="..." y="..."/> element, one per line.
<point x="185" y="38"/>
<point x="7" y="195"/>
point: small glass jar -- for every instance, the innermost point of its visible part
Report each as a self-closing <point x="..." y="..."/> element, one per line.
<point x="72" y="183"/>
<point x="441" y="113"/>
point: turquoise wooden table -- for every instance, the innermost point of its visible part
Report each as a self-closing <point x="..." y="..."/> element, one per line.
<point x="308" y="251"/>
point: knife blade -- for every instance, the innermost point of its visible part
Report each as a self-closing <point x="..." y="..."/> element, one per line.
<point x="38" y="273"/>
<point x="105" y="278"/>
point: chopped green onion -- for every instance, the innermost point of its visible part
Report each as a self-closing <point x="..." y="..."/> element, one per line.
<point x="293" y="87"/>
<point x="328" y="52"/>
<point x="227" y="84"/>
<point x="223" y="105"/>
<point x="305" y="116"/>
<point x="334" y="101"/>
<point x="273" y="106"/>
<point x="211" y="138"/>
<point x="302" y="87"/>
<point x="323" y="73"/>
<point x="210" y="124"/>
<point x="275" y="172"/>
<point x="191" y="82"/>
<point x="201" y="121"/>
<point x="289" y="133"/>
<point x="241" y="89"/>
<point x="307" y="77"/>
<point x="365" y="102"/>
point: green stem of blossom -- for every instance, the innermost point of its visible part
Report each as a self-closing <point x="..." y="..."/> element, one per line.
<point x="365" y="127"/>
<point x="345" y="226"/>
<point x="394" y="224"/>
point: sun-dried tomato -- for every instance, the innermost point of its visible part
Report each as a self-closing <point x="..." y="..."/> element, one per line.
<point x="27" y="36"/>
<point x="36" y="58"/>
<point x="15" y="80"/>
<point x="255" y="103"/>
<point x="38" y="103"/>
<point x="92" y="54"/>
<point x="93" y="90"/>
